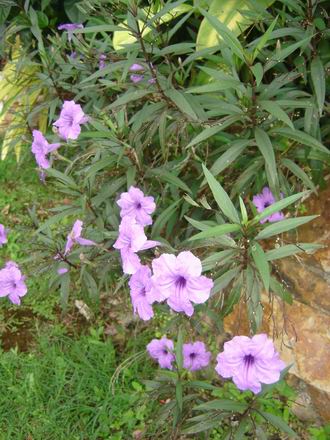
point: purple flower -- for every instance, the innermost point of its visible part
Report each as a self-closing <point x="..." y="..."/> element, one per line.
<point x="41" y="148"/>
<point x="131" y="239"/>
<point x="152" y="80"/>
<point x="162" y="351"/>
<point x="136" y="68"/>
<point x="70" y="27"/>
<point x="75" y="237"/>
<point x="102" y="59"/>
<point x="135" y="204"/>
<point x="179" y="280"/>
<point x="140" y="286"/>
<point x="73" y="55"/>
<point x="3" y="235"/>
<point x="136" y="78"/>
<point x="71" y="117"/>
<point x="62" y="270"/>
<point x="262" y="201"/>
<point x="195" y="356"/>
<point x="250" y="362"/>
<point x="12" y="283"/>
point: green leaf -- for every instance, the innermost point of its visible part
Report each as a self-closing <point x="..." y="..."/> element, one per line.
<point x="265" y="146"/>
<point x="4" y="12"/>
<point x="278" y="423"/>
<point x="263" y="40"/>
<point x="291" y="249"/>
<point x="122" y="37"/>
<point x="222" y="404"/>
<point x="202" y="226"/>
<point x="226" y="34"/>
<point x="276" y="111"/>
<point x="179" y="394"/>
<point x="240" y="431"/>
<point x="223" y="281"/>
<point x="216" y="231"/>
<point x="280" y="291"/>
<point x="301" y="137"/>
<point x="235" y="149"/>
<point x="283" y="226"/>
<point x="178" y="349"/>
<point x="169" y="178"/>
<point x="210" y="131"/>
<point x="221" y="197"/>
<point x="235" y="14"/>
<point x="318" y="80"/>
<point x="258" y="72"/>
<point x="299" y="172"/>
<point x="280" y="56"/>
<point x="261" y="263"/>
<point x="130" y="97"/>
<point x="234" y="296"/>
<point x="215" y="86"/>
<point x="278" y="206"/>
<point x="163" y="219"/>
<point x="181" y="102"/>
<point x="218" y="259"/>
<point x="243" y="211"/>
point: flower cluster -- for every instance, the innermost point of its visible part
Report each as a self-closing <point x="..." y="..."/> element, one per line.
<point x="70" y="28"/>
<point x="250" y="362"/>
<point x="68" y="124"/>
<point x="195" y="356"/>
<point x="137" y="74"/>
<point x="175" y="279"/>
<point x="12" y="283"/>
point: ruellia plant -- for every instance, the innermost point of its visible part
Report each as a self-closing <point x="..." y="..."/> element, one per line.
<point x="182" y="137"/>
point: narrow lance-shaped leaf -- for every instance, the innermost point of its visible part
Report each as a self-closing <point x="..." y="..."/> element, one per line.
<point x="276" y="111"/>
<point x="265" y="146"/>
<point x="318" y="80"/>
<point x="301" y="137"/>
<point x="221" y="197"/>
<point x="216" y="231"/>
<point x="298" y="172"/>
<point x="278" y="423"/>
<point x="226" y="34"/>
<point x="283" y="226"/>
<point x="291" y="249"/>
<point x="263" y="40"/>
<point x="261" y="263"/>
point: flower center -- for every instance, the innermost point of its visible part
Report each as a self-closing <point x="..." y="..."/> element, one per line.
<point x="267" y="204"/>
<point x="192" y="355"/>
<point x="143" y="292"/>
<point x="165" y="351"/>
<point x="180" y="282"/>
<point x="68" y="119"/>
<point x="248" y="360"/>
<point x="138" y="206"/>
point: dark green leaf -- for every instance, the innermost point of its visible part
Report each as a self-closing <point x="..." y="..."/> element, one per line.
<point x="283" y="226"/>
<point x="280" y="291"/>
<point x="278" y="423"/>
<point x="222" y="404"/>
<point x="265" y="146"/>
<point x="221" y="197"/>
<point x="216" y="231"/>
<point x="291" y="249"/>
<point x="318" y="80"/>
<point x="261" y="262"/>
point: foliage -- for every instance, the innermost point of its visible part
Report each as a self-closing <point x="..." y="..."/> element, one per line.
<point x="61" y="390"/>
<point x="224" y="104"/>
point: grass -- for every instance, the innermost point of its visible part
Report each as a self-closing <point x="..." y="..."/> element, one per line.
<point x="62" y="390"/>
